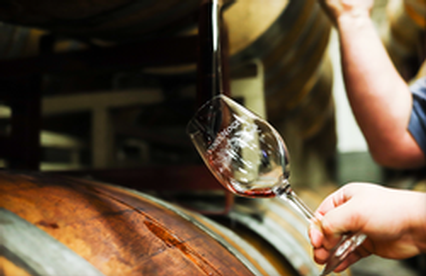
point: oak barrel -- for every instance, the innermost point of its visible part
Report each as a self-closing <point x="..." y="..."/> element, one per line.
<point x="62" y="226"/>
<point x="55" y="225"/>
<point x="298" y="78"/>
<point x="291" y="39"/>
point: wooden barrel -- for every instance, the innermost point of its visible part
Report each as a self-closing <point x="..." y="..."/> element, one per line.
<point x="291" y="38"/>
<point x="53" y="225"/>
<point x="59" y="226"/>
<point x="405" y="38"/>
<point x="292" y="43"/>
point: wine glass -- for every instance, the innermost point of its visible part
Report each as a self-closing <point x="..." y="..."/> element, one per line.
<point x="249" y="158"/>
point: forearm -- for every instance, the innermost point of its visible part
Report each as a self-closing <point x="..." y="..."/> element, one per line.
<point x="379" y="97"/>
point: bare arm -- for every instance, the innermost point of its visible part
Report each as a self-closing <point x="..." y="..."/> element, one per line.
<point x="380" y="99"/>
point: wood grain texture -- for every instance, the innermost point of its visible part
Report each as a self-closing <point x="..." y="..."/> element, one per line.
<point x="117" y="231"/>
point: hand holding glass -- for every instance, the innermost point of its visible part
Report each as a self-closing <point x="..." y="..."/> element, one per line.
<point x="249" y="158"/>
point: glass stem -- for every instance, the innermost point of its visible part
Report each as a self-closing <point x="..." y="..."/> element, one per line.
<point x="286" y="193"/>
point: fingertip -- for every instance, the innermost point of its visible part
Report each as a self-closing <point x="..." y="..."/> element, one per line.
<point x="315" y="236"/>
<point x="321" y="255"/>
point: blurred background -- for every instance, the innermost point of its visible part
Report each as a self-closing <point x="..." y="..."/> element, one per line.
<point x="104" y="90"/>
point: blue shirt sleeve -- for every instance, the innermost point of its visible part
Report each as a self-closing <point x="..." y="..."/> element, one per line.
<point x="417" y="124"/>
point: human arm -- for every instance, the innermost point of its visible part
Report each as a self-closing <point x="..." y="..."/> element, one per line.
<point x="393" y="220"/>
<point x="380" y="99"/>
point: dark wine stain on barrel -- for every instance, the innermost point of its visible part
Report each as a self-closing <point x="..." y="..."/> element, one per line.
<point x="172" y="241"/>
<point x="52" y="225"/>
